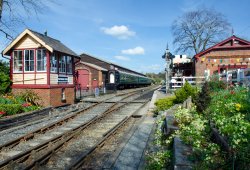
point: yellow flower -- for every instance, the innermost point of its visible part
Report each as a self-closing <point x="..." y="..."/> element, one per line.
<point x="237" y="106"/>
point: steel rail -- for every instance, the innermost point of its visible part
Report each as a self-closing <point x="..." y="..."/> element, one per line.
<point x="79" y="162"/>
<point x="50" y="126"/>
<point x="24" y="155"/>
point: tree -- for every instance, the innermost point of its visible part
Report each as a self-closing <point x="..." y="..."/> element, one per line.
<point x="5" y="82"/>
<point x="196" y="30"/>
<point x="11" y="14"/>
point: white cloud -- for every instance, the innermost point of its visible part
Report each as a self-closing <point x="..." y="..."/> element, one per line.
<point x="134" y="51"/>
<point x="122" y="58"/>
<point x="121" y="32"/>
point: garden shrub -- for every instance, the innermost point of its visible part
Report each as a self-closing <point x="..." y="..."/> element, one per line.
<point x="30" y="97"/>
<point x="184" y="92"/>
<point x="5" y="83"/>
<point x="202" y="99"/>
<point x="164" y="103"/>
<point x="160" y="157"/>
<point x="11" y="109"/>
<point x="215" y="84"/>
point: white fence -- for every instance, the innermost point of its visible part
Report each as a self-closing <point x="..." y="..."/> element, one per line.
<point x="241" y="76"/>
<point x="177" y="82"/>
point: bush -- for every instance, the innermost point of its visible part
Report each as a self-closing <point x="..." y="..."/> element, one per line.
<point x="215" y="84"/>
<point x="202" y="100"/>
<point x="5" y="83"/>
<point x="11" y="109"/>
<point x="165" y="103"/>
<point x="183" y="93"/>
<point x="30" y="97"/>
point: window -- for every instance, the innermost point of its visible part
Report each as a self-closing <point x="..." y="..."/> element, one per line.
<point x="29" y="60"/>
<point x="69" y="64"/>
<point x="18" y="63"/>
<point x="62" y="64"/>
<point x="53" y="63"/>
<point x="63" y="97"/>
<point x="41" y="60"/>
<point x="111" y="78"/>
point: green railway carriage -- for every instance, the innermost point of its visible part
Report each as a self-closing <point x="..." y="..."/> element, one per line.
<point x="121" y="80"/>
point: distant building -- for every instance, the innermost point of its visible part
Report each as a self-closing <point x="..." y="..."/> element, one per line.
<point x="44" y="65"/>
<point x="230" y="54"/>
<point x="182" y="66"/>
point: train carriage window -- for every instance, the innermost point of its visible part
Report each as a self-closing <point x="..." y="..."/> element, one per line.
<point x="111" y="78"/>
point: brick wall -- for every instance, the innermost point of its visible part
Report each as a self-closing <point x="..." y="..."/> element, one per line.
<point x="218" y="59"/>
<point x="51" y="97"/>
<point x="95" y="74"/>
<point x="56" y="94"/>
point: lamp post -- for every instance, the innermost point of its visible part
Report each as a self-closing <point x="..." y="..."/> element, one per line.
<point x="168" y="57"/>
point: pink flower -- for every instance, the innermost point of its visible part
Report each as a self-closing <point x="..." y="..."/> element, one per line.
<point x="26" y="104"/>
<point x="2" y="112"/>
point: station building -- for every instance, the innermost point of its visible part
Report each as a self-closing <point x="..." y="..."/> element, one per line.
<point x="182" y="66"/>
<point x="44" y="65"/>
<point x="93" y="71"/>
<point x="89" y="76"/>
<point x="230" y="54"/>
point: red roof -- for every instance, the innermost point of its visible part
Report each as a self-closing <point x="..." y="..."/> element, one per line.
<point x="220" y="45"/>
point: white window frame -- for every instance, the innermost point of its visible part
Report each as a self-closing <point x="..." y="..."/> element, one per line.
<point x="43" y="51"/>
<point x="62" y="65"/>
<point x="17" y="71"/>
<point x="29" y="60"/>
<point x="69" y="69"/>
<point x="53" y="66"/>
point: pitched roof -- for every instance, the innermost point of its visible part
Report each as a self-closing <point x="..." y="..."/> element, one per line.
<point x="220" y="45"/>
<point x="93" y="66"/>
<point x="49" y="43"/>
<point x="108" y="62"/>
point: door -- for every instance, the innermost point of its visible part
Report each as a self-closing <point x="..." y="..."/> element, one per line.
<point x="95" y="83"/>
<point x="83" y="78"/>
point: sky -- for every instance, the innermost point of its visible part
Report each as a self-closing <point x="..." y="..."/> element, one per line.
<point x="130" y="33"/>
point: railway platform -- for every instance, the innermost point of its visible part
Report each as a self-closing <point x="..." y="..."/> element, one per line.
<point x="132" y="154"/>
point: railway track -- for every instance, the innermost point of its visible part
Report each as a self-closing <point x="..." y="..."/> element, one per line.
<point x="40" y="144"/>
<point x="20" y="130"/>
<point x="37" y="116"/>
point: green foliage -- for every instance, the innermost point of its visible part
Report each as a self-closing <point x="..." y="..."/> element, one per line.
<point x="229" y="110"/>
<point x="164" y="103"/>
<point x="157" y="161"/>
<point x="215" y="84"/>
<point x="194" y="131"/>
<point x="156" y="78"/>
<point x="184" y="92"/>
<point x="4" y="67"/>
<point x="160" y="158"/>
<point x="30" y="97"/>
<point x="10" y="105"/>
<point x="11" y="109"/>
<point x="5" y="82"/>
<point x="203" y="98"/>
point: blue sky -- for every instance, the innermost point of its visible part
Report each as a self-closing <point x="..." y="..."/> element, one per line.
<point x="131" y="33"/>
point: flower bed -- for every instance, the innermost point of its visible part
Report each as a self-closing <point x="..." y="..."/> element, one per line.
<point x="217" y="127"/>
<point x="10" y="104"/>
<point x="228" y="112"/>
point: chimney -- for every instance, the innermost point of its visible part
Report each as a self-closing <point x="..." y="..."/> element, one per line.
<point x="45" y="33"/>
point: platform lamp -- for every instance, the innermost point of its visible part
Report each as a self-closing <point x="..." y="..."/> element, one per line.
<point x="168" y="57"/>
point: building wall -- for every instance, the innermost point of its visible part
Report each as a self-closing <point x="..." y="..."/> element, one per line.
<point x="51" y="97"/>
<point x="94" y="74"/>
<point x="27" y="42"/>
<point x="227" y="59"/>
